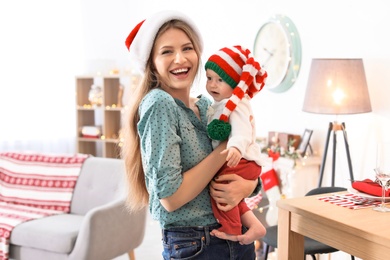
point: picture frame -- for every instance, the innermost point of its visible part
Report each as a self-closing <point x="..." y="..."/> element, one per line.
<point x="305" y="142"/>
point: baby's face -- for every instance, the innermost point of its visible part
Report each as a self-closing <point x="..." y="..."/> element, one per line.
<point x="217" y="87"/>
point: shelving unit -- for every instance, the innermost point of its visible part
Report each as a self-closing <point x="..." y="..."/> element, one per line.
<point x="107" y="116"/>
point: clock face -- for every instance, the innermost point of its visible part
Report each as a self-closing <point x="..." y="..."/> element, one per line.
<point x="278" y="49"/>
<point x="273" y="52"/>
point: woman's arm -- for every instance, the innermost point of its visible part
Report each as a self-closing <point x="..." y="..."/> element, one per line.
<point x="192" y="184"/>
<point x="170" y="179"/>
<point x="233" y="189"/>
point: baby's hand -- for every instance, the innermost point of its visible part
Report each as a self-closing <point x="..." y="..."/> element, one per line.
<point x="233" y="156"/>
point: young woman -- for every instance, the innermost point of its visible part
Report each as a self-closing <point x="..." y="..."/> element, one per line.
<point x="169" y="157"/>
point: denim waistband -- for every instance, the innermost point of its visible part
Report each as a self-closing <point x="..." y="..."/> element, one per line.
<point x="196" y="228"/>
<point x="202" y="232"/>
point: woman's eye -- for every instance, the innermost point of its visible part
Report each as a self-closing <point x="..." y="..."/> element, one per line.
<point x="189" y="48"/>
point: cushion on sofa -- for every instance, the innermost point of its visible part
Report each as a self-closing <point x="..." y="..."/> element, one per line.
<point x="54" y="233"/>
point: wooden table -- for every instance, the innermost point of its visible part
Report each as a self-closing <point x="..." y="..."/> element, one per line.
<point x="364" y="233"/>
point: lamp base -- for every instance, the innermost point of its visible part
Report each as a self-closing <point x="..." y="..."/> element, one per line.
<point x="333" y="128"/>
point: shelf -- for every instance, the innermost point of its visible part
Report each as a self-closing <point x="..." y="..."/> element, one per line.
<point x="107" y="115"/>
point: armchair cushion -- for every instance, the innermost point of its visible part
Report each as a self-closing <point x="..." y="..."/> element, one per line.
<point x="54" y="233"/>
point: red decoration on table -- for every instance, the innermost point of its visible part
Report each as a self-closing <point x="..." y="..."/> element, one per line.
<point x="370" y="187"/>
<point x="350" y="201"/>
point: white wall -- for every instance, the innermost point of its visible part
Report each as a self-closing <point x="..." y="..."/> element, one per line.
<point x="40" y="53"/>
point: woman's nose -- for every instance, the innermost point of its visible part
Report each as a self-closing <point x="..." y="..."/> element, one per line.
<point x="179" y="58"/>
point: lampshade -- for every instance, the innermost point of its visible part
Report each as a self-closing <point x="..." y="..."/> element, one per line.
<point x="337" y="86"/>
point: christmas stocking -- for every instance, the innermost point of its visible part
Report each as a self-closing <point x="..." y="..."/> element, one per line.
<point x="270" y="182"/>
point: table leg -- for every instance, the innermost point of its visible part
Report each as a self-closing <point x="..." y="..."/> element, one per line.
<point x="290" y="244"/>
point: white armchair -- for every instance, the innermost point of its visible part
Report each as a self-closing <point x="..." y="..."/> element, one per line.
<point x="98" y="227"/>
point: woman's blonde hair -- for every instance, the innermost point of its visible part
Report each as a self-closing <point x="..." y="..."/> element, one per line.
<point x="137" y="194"/>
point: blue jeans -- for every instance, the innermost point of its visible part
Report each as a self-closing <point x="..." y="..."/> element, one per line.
<point x="196" y="243"/>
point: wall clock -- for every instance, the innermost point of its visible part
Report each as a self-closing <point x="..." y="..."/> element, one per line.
<point x="278" y="49"/>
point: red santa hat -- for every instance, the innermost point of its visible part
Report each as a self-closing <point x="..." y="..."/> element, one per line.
<point x="238" y="68"/>
<point x="140" y="40"/>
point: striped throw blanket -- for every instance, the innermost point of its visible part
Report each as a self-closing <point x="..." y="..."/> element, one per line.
<point x="33" y="186"/>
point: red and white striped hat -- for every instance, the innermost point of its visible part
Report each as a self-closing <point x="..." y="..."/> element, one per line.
<point x="238" y="68"/>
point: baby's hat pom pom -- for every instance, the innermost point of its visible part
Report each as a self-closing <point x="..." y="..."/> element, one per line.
<point x="219" y="130"/>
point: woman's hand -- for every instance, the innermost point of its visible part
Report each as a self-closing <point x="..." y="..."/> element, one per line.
<point x="229" y="189"/>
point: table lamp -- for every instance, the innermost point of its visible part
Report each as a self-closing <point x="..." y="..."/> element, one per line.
<point x="336" y="86"/>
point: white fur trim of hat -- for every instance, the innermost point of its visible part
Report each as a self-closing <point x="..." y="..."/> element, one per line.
<point x="141" y="38"/>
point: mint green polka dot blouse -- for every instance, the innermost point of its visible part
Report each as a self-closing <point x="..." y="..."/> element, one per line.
<point x="173" y="140"/>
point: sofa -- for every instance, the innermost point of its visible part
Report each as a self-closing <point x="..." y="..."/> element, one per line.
<point x="98" y="226"/>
